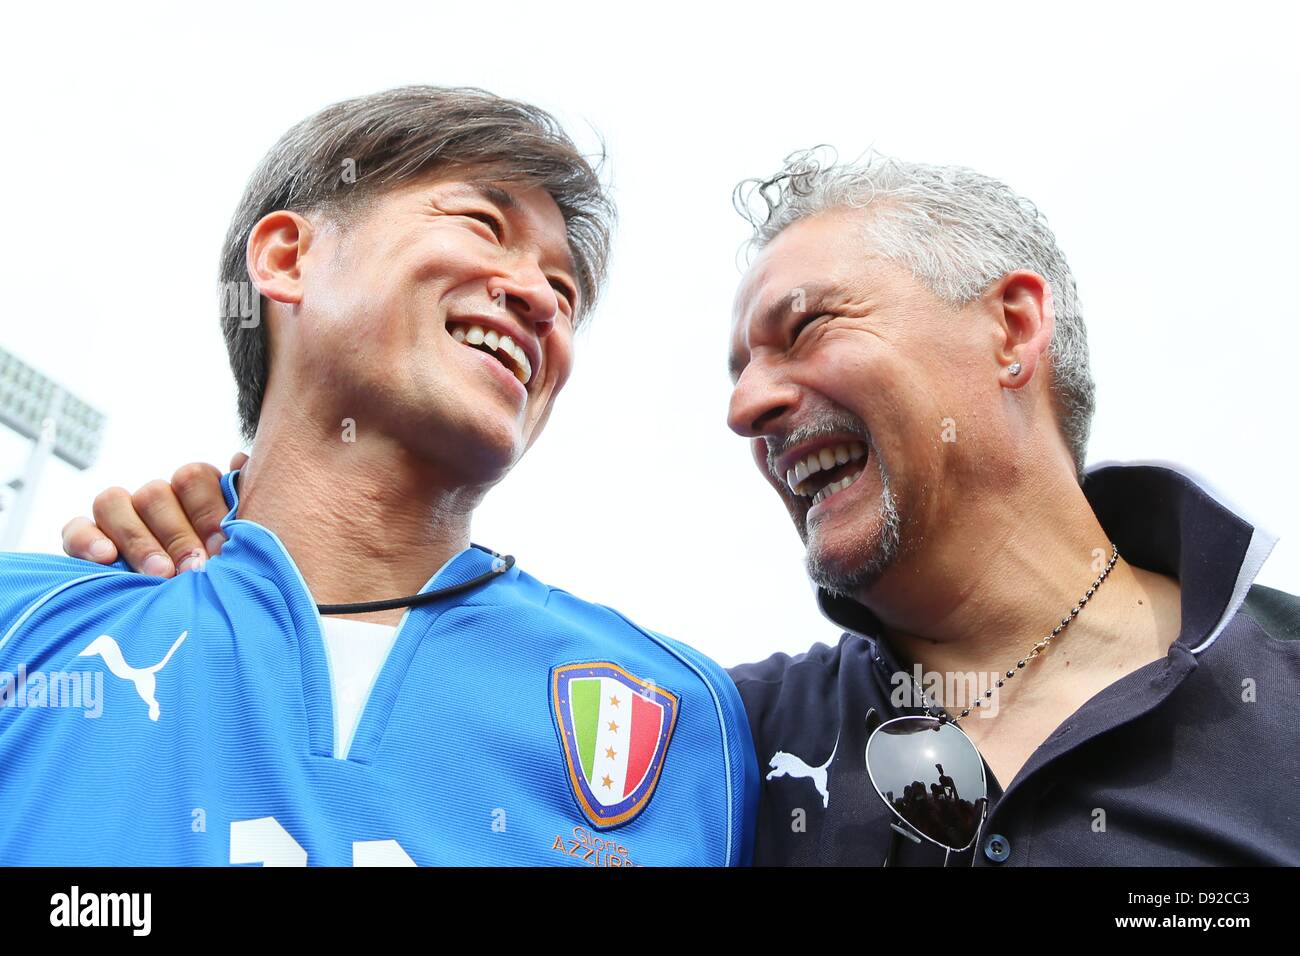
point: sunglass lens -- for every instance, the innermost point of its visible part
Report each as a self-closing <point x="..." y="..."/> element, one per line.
<point x="931" y="775"/>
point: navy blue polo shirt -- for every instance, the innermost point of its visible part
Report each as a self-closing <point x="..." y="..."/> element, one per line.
<point x="1188" y="760"/>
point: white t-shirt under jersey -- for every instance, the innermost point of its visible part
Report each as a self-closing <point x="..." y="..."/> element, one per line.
<point x="356" y="651"/>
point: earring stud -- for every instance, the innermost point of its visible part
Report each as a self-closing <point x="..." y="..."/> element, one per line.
<point x="1014" y="368"/>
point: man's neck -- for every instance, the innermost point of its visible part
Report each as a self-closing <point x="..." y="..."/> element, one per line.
<point x="1009" y="572"/>
<point x="363" y="521"/>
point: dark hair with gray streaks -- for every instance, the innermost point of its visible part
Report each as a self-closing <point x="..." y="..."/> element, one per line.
<point x="392" y="138"/>
<point x="956" y="231"/>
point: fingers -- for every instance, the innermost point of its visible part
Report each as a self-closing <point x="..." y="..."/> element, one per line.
<point x="198" y="486"/>
<point x="83" y="539"/>
<point x="150" y="528"/>
<point x="160" y="529"/>
<point x="239" y="461"/>
<point x="169" y="524"/>
<point x="116" y="514"/>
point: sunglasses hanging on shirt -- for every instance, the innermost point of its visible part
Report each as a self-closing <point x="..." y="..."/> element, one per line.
<point x="929" y="772"/>
<point x="931" y="776"/>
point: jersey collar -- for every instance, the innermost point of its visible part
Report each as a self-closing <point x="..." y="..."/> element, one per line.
<point x="266" y="547"/>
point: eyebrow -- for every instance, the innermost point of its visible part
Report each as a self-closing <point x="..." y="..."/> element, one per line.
<point x="773" y="313"/>
<point x="495" y="194"/>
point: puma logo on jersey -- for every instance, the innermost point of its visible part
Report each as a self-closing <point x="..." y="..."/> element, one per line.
<point x="144" y="678"/>
<point x="788" y="765"/>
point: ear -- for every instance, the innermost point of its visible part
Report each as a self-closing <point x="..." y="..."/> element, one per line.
<point x="276" y="247"/>
<point x="1022" y="301"/>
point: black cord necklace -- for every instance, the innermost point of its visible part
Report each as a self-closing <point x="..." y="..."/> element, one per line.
<point x="506" y="563"/>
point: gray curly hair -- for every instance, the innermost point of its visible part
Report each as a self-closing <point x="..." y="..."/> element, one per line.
<point x="955" y="230"/>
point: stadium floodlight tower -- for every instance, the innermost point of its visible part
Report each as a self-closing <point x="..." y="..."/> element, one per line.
<point x="55" y="420"/>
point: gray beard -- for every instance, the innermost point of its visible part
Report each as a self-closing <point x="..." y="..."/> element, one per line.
<point x="848" y="579"/>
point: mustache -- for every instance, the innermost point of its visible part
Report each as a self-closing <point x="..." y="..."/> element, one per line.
<point x="826" y="424"/>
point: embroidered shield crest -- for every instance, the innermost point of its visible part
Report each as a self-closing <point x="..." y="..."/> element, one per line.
<point x="614" y="729"/>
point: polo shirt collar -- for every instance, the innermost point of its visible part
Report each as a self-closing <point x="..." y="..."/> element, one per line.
<point x="1162" y="517"/>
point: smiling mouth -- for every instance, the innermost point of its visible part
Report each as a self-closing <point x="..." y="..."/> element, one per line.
<point x="823" y="472"/>
<point x="501" y="347"/>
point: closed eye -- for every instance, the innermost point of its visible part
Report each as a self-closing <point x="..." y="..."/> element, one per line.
<point x="496" y="225"/>
<point x="805" y="323"/>
<point x="565" y="291"/>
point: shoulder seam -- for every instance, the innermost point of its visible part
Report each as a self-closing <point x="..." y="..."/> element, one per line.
<point x="1267" y="606"/>
<point x="35" y="605"/>
<point x="758" y="680"/>
<point x="825" y="663"/>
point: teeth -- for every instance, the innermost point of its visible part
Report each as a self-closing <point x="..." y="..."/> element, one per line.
<point x="823" y="460"/>
<point x="507" y="345"/>
<point x="525" y="368"/>
<point x="833" y="487"/>
<point x="477" y="335"/>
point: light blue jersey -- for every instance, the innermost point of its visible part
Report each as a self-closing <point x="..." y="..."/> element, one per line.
<point x="191" y="721"/>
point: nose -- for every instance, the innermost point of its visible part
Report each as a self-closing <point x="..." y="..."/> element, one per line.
<point x="526" y="292"/>
<point x="761" y="400"/>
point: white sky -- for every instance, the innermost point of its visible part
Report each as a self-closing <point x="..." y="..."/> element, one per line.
<point x="1156" y="138"/>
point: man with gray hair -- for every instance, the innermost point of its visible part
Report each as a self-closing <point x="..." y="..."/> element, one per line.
<point x="911" y="367"/>
<point x="1042" y="663"/>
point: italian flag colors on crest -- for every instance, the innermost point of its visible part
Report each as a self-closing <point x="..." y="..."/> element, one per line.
<point x="615" y="729"/>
